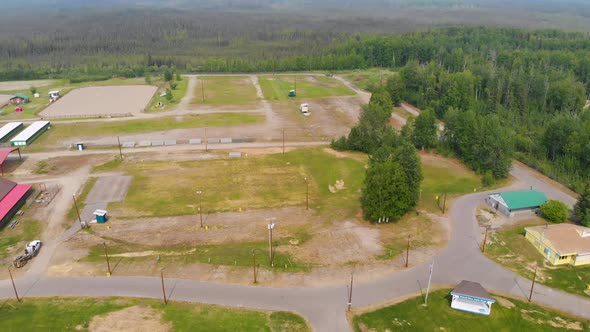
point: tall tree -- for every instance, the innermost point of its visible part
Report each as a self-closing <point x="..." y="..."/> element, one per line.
<point x="582" y="207"/>
<point x="386" y="193"/>
<point x="425" y="130"/>
<point x="407" y="156"/>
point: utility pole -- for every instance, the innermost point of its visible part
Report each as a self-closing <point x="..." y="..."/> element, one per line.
<point x="350" y="292"/>
<point x="205" y="139"/>
<point x="254" y="264"/>
<point x="283" y="140"/>
<point x="533" y="285"/>
<point x="485" y="239"/>
<point x="106" y="255"/>
<point x="271" y="226"/>
<point x="296" y="85"/>
<point x="428" y="288"/>
<point x="163" y="289"/>
<point x="408" y="251"/>
<point x="306" y="193"/>
<point x="77" y="211"/>
<point x="444" y="203"/>
<point x="203" y="89"/>
<point x="200" y="207"/>
<point x="13" y="285"/>
<point x="120" y="152"/>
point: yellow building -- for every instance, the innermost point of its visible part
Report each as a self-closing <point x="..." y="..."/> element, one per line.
<point x="561" y="243"/>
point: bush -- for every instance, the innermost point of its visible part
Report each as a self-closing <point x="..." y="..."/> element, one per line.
<point x="488" y="179"/>
<point x="554" y="211"/>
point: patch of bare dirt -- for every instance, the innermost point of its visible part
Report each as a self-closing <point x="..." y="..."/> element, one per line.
<point x="65" y="165"/>
<point x="132" y="319"/>
<point x="504" y="302"/>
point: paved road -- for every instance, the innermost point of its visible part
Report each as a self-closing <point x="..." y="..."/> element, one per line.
<point x="325" y="307"/>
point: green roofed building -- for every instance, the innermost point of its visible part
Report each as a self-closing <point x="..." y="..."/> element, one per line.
<point x="515" y="201"/>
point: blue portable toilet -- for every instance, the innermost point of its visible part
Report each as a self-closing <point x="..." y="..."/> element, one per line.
<point x="101" y="216"/>
<point x="292" y="93"/>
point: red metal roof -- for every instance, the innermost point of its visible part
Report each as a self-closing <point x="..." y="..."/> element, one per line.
<point x="13" y="197"/>
<point x="5" y="187"/>
<point x="4" y="152"/>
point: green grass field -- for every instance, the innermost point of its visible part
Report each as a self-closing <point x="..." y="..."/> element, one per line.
<point x="507" y="315"/>
<point x="225" y="90"/>
<point x="509" y="247"/>
<point x="177" y="95"/>
<point x="308" y="87"/>
<point x="444" y="175"/>
<point x="76" y="314"/>
<point x="91" y="129"/>
<point x="367" y="79"/>
<point x="26" y="230"/>
<point x="267" y="181"/>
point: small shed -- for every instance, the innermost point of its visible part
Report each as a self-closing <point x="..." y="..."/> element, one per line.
<point x="19" y="99"/>
<point x="101" y="216"/>
<point x="471" y="297"/>
<point x="515" y="201"/>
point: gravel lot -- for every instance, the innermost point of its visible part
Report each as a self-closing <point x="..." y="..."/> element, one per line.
<point x="101" y="101"/>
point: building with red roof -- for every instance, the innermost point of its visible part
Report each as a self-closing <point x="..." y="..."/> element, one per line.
<point x="12" y="198"/>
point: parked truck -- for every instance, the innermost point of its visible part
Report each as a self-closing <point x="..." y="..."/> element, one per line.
<point x="304" y="109"/>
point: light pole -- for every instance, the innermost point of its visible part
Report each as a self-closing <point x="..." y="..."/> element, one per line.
<point x="77" y="211"/>
<point x="408" y="250"/>
<point x="350" y="292"/>
<point x="13" y="285"/>
<point x="533" y="284"/>
<point x="200" y="207"/>
<point x="485" y="239"/>
<point x="254" y="264"/>
<point x="271" y="226"/>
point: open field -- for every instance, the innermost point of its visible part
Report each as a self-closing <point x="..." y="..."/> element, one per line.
<point x="164" y="103"/>
<point x="366" y="79"/>
<point x="443" y="175"/>
<point x="24" y="85"/>
<point x="126" y="314"/>
<point x="508" y="314"/>
<point x="63" y="134"/>
<point x="101" y="101"/>
<point x="276" y="87"/>
<point x="509" y="247"/>
<point x="15" y="239"/>
<point x="225" y="91"/>
<point x="268" y="181"/>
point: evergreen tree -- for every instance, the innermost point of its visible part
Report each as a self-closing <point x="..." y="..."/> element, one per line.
<point x="582" y="207"/>
<point x="425" y="130"/>
<point x="408" y="158"/>
<point x="386" y="193"/>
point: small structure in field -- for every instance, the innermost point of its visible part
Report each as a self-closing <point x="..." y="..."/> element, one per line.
<point x="304" y="109"/>
<point x="31" y="133"/>
<point x="471" y="297"/>
<point x="561" y="243"/>
<point x="19" y="99"/>
<point x="292" y="93"/>
<point x="511" y="202"/>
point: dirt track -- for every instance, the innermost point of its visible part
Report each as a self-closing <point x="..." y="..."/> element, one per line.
<point x="101" y="101"/>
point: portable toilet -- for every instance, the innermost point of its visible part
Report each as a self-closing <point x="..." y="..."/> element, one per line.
<point x="101" y="216"/>
<point x="80" y="146"/>
<point x="292" y="93"/>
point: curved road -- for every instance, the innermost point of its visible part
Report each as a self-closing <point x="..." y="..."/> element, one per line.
<point x="325" y="307"/>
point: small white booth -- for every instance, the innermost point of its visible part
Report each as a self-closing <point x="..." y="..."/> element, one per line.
<point x="471" y="297"/>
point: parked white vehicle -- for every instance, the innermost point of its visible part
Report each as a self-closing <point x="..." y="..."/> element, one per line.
<point x="33" y="248"/>
<point x="304" y="109"/>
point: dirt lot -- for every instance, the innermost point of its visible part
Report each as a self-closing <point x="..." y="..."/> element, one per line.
<point x="132" y="319"/>
<point x="101" y="101"/>
<point x="4" y="99"/>
<point x="22" y="85"/>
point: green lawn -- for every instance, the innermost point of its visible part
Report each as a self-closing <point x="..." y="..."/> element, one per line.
<point x="75" y="314"/>
<point x="225" y="90"/>
<point x="177" y="95"/>
<point x="277" y="87"/>
<point x="444" y="175"/>
<point x="25" y="231"/>
<point x="91" y="129"/>
<point x="366" y="79"/>
<point x="514" y="315"/>
<point x="228" y="254"/>
<point x="509" y="247"/>
<point x="267" y="181"/>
